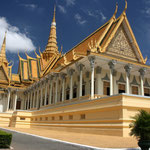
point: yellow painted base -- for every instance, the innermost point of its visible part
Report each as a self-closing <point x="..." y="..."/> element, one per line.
<point x="105" y="116"/>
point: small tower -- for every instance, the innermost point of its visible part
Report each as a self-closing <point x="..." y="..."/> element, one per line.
<point x="51" y="48"/>
<point x="3" y="52"/>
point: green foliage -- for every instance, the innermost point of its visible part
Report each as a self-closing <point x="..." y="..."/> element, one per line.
<point x="5" y="139"/>
<point x="140" y="126"/>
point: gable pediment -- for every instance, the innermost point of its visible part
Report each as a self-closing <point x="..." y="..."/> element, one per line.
<point x="120" y="46"/>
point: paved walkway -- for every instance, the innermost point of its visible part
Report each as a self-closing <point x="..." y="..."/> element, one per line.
<point x="27" y="142"/>
<point x="80" y="138"/>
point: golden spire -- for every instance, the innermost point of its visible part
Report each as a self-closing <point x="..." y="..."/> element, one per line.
<point x="3" y="50"/>
<point x="54" y="20"/>
<point x="52" y="48"/>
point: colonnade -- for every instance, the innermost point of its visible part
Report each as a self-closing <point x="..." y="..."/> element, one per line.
<point x="42" y="93"/>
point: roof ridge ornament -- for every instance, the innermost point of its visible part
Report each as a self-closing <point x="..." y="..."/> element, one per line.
<point x="36" y="54"/>
<point x="11" y="63"/>
<point x="75" y="56"/>
<point x="93" y="46"/>
<point x="40" y="51"/>
<point x="18" y="54"/>
<point x="66" y="62"/>
<point x="126" y="5"/>
<point x="116" y="10"/>
<point x="145" y="60"/>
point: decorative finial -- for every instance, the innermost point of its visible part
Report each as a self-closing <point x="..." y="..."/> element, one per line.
<point x="126" y="4"/>
<point x="11" y="63"/>
<point x="145" y="60"/>
<point x="18" y="54"/>
<point x="40" y="50"/>
<point x="54" y="20"/>
<point x="116" y="9"/>
<point x="26" y="53"/>
<point x="35" y="52"/>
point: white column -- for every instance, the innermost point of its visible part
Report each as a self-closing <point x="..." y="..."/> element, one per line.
<point x="37" y="99"/>
<point x="92" y="63"/>
<point x="45" y="92"/>
<point x="15" y="103"/>
<point x="56" y="89"/>
<point x="111" y="66"/>
<point x="31" y="99"/>
<point x="81" y="79"/>
<point x="111" y="83"/>
<point x="98" y="72"/>
<point x="71" y="83"/>
<point x="41" y="96"/>
<point x="50" y="89"/>
<point x="142" y="73"/>
<point x="128" y="69"/>
<point x="34" y="99"/>
<point x="8" y="100"/>
<point x="63" y="87"/>
<point x="28" y="100"/>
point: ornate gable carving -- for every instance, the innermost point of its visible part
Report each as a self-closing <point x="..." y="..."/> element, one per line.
<point x="120" y="46"/>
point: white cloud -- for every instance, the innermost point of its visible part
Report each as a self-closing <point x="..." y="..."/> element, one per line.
<point x="97" y="14"/>
<point x="79" y="19"/>
<point x="90" y="13"/>
<point x="146" y="10"/>
<point x="103" y="17"/>
<point x="62" y="9"/>
<point x="30" y="6"/>
<point x="70" y="2"/>
<point x="15" y="40"/>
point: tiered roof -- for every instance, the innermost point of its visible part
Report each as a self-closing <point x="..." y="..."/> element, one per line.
<point x="51" y="60"/>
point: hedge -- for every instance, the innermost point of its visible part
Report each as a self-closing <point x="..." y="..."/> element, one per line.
<point x="5" y="139"/>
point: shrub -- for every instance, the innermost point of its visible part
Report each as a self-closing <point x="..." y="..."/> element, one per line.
<point x="5" y="139"/>
<point x="140" y="126"/>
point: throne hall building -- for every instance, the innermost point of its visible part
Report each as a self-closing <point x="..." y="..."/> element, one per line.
<point x="94" y="88"/>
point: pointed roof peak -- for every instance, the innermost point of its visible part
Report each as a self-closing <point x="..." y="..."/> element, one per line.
<point x="52" y="47"/>
<point x="3" y="49"/>
<point x="54" y="16"/>
<point x="5" y="37"/>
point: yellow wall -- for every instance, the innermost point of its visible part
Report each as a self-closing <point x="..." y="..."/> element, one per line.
<point x="107" y="116"/>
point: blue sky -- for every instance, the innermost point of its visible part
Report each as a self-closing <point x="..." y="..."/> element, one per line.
<point x="28" y="23"/>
